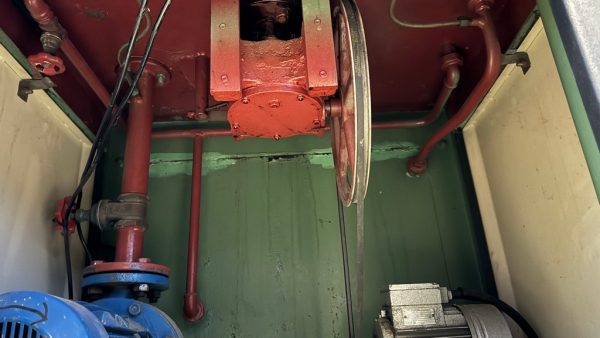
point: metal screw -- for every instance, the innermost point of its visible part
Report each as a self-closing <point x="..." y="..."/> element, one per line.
<point x="300" y="97"/>
<point x="323" y="73"/>
<point x="317" y="21"/>
<point x="274" y="103"/>
<point x="245" y="100"/>
<point x="134" y="309"/>
<point x="277" y="137"/>
<point x="222" y="25"/>
<point x="161" y="79"/>
<point x="143" y="287"/>
<point x="281" y="18"/>
<point x="224" y="78"/>
<point x="236" y="126"/>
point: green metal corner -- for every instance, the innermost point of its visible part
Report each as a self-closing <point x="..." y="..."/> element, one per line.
<point x="582" y="123"/>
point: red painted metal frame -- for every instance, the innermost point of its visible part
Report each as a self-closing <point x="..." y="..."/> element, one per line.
<point x="226" y="84"/>
<point x="130" y="238"/>
<point x="319" y="49"/>
<point x="45" y="17"/>
<point x="418" y="164"/>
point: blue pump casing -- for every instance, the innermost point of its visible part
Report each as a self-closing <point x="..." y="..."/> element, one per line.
<point x="33" y="314"/>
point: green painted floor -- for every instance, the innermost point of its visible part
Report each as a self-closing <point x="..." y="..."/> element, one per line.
<point x="270" y="256"/>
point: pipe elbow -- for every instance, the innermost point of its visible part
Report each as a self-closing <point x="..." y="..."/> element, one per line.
<point x="193" y="310"/>
<point x="40" y="11"/>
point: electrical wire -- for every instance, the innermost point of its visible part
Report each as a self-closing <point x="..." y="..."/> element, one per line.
<point x="500" y="305"/>
<point x="147" y="22"/>
<point x="347" y="285"/>
<point x="108" y="122"/>
<point x="456" y="23"/>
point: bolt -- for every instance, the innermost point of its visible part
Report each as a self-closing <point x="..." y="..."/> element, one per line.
<point x="245" y="100"/>
<point x="236" y="126"/>
<point x="143" y="287"/>
<point x="316" y="122"/>
<point x="274" y="103"/>
<point x="224" y="78"/>
<point x="382" y="314"/>
<point x="281" y="18"/>
<point x="323" y="73"/>
<point x="134" y="309"/>
<point x="277" y="136"/>
<point x="144" y="260"/>
<point x="222" y="25"/>
<point x="300" y="97"/>
<point x="161" y="79"/>
<point x="317" y="21"/>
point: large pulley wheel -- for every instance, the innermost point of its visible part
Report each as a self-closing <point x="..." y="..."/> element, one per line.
<point x="351" y="121"/>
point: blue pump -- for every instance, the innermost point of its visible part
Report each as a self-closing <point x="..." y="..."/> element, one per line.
<point x="33" y="314"/>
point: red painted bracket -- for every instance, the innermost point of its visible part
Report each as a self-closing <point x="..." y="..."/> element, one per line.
<point x="319" y="48"/>
<point x="225" y="77"/>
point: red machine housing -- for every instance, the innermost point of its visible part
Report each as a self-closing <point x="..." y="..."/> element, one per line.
<point x="276" y="87"/>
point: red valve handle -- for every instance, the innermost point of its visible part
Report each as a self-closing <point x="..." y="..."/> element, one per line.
<point x="47" y="64"/>
<point x="60" y="213"/>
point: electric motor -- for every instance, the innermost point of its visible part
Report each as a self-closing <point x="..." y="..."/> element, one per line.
<point x="424" y="310"/>
<point x="26" y="314"/>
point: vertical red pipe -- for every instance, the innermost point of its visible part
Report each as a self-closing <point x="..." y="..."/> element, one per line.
<point x="193" y="309"/>
<point x="136" y="165"/>
<point x="418" y="164"/>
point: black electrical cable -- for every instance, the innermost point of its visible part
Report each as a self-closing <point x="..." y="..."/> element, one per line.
<point x="108" y="121"/>
<point x="85" y="175"/>
<point x="502" y="306"/>
<point x="347" y="286"/>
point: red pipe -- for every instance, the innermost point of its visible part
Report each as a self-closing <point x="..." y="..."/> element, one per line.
<point x="193" y="309"/>
<point x="451" y="66"/>
<point x="187" y="133"/>
<point x="130" y="238"/>
<point x="44" y="16"/>
<point x="418" y="164"/>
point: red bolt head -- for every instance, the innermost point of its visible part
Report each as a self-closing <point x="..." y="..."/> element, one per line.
<point x="274" y="103"/>
<point x="245" y="100"/>
<point x="323" y="73"/>
<point x="300" y="97"/>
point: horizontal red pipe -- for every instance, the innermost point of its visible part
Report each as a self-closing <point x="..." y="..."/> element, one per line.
<point x="193" y="309"/>
<point x="418" y="164"/>
<point x="187" y="133"/>
<point x="44" y="16"/>
<point x="136" y="166"/>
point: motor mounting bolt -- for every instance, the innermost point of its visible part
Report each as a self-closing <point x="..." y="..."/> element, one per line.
<point x="161" y="79"/>
<point x="300" y="97"/>
<point x="245" y="100"/>
<point x="143" y="287"/>
<point x="134" y="309"/>
<point x="274" y="103"/>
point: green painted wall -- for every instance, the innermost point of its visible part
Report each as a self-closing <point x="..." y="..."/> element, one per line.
<point x="270" y="261"/>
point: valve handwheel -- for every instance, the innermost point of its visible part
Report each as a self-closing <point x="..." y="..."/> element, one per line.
<point x="47" y="64"/>
<point x="351" y="117"/>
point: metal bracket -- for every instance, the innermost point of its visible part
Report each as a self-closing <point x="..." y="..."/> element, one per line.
<point x="27" y="86"/>
<point x="521" y="59"/>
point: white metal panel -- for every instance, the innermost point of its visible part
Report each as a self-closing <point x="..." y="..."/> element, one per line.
<point x="539" y="208"/>
<point x="41" y="153"/>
